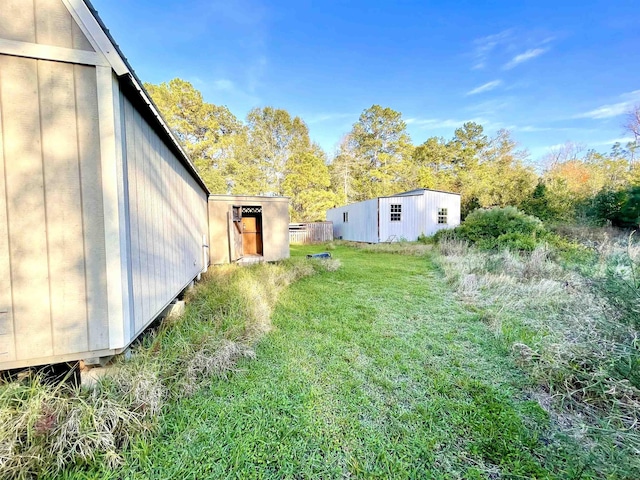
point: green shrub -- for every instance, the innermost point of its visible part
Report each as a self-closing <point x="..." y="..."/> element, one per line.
<point x="620" y="285"/>
<point x="620" y="208"/>
<point x="425" y="239"/>
<point x="499" y="228"/>
<point x="511" y="241"/>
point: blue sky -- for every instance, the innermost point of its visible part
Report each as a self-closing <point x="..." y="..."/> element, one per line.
<point x="549" y="71"/>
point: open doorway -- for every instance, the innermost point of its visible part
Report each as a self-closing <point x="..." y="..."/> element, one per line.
<point x="252" y="231"/>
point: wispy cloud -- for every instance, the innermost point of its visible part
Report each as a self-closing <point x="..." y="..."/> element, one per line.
<point x="328" y="117"/>
<point x="224" y="84"/>
<point x="485" y="87"/>
<point x="228" y="88"/>
<point x="491" y="106"/>
<point x="509" y="48"/>
<point x="485" y="45"/>
<point x="622" y="140"/>
<point x="448" y="123"/>
<point x="524" y="57"/>
<point x="614" y="109"/>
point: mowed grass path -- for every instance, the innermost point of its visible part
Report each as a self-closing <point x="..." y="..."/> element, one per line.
<point x="372" y="371"/>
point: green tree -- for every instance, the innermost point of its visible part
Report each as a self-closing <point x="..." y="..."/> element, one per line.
<point x="487" y="171"/>
<point x="275" y="138"/>
<point x="343" y="171"/>
<point x="506" y="180"/>
<point x="210" y="134"/>
<point x="307" y="183"/>
<point x="434" y="161"/>
<point x="383" y="150"/>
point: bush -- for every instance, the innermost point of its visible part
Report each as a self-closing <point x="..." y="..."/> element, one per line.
<point x="426" y="240"/>
<point x="620" y="208"/>
<point x="510" y="241"/>
<point x="499" y="228"/>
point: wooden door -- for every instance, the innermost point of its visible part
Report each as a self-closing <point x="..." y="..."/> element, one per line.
<point x="251" y="236"/>
<point x="235" y="234"/>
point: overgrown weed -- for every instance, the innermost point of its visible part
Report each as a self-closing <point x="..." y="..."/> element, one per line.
<point x="46" y="428"/>
<point x="566" y="328"/>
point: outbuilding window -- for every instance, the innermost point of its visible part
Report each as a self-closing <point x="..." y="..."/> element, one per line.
<point x="396" y="212"/>
<point x="345" y="217"/>
<point x="442" y="216"/>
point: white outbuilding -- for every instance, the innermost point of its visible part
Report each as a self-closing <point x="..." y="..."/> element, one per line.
<point x="404" y="216"/>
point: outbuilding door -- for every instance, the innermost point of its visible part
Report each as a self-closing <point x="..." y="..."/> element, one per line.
<point x="251" y="231"/>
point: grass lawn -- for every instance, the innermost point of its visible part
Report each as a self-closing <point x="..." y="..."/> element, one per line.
<point x="371" y="371"/>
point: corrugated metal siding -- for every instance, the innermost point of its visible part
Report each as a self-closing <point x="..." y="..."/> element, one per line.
<point x="433" y="201"/>
<point x="419" y="215"/>
<point x="362" y="225"/>
<point x="46" y="22"/>
<point x="52" y="251"/>
<point x="411" y="222"/>
<point x="167" y="219"/>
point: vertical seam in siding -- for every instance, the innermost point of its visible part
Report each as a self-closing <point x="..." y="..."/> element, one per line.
<point x="35" y="21"/>
<point x="84" y="237"/>
<point x="44" y="191"/>
<point x="378" y="220"/>
<point x="6" y="205"/>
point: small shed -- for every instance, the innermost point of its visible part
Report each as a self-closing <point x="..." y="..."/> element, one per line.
<point x="404" y="216"/>
<point x="103" y="218"/>
<point x="248" y="229"/>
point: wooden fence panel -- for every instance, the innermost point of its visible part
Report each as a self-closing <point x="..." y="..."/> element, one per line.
<point x="304" y="233"/>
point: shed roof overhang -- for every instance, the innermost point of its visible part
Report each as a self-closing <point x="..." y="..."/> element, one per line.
<point x="131" y="85"/>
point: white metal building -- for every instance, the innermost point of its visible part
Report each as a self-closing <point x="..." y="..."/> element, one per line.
<point x="404" y="216"/>
<point x="103" y="219"/>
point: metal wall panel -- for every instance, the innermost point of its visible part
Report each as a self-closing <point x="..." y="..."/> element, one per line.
<point x="419" y="215"/>
<point x="167" y="219"/>
<point x="411" y="222"/>
<point x="433" y="202"/>
<point x="362" y="225"/>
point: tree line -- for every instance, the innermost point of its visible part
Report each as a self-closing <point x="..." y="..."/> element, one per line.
<point x="271" y="153"/>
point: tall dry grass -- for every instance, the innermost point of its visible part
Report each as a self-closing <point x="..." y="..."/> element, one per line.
<point x="45" y="428"/>
<point x="563" y="328"/>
